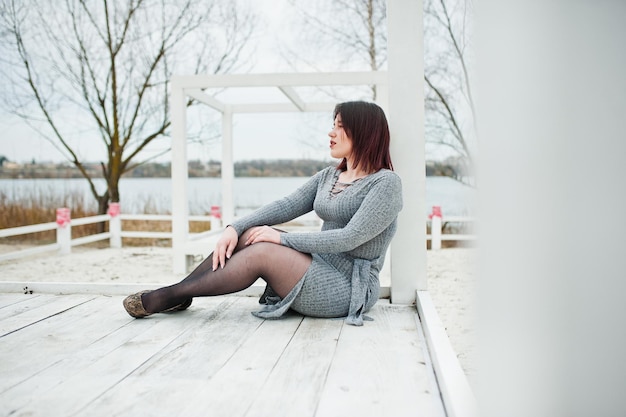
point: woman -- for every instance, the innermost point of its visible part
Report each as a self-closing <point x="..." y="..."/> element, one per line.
<point x="330" y="273"/>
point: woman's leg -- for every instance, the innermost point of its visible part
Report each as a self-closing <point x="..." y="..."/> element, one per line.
<point x="281" y="267"/>
<point x="207" y="264"/>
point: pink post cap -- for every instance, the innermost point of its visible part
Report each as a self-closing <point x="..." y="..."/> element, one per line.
<point x="63" y="216"/>
<point x="216" y="212"/>
<point x="436" y="212"/>
<point x="114" y="209"/>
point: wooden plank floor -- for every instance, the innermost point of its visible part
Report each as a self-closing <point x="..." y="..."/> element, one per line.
<point x="66" y="355"/>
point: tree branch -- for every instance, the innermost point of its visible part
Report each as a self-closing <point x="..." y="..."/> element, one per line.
<point x="450" y="116"/>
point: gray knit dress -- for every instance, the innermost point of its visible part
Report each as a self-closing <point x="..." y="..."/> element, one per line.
<point x="348" y="252"/>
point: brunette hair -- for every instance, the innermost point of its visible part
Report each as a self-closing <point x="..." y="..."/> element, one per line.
<point x="366" y="125"/>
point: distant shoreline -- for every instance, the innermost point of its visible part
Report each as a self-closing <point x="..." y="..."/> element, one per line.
<point x="196" y="169"/>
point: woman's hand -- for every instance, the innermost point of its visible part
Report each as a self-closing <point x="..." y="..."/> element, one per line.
<point x="225" y="247"/>
<point x="263" y="234"/>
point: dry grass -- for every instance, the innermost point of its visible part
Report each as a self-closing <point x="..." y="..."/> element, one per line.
<point x="156" y="226"/>
<point x="41" y="208"/>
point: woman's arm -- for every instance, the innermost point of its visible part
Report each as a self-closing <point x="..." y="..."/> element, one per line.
<point x="280" y="211"/>
<point x="283" y="210"/>
<point x="379" y="208"/>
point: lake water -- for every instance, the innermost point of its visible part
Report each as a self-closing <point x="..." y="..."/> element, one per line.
<point x="250" y="193"/>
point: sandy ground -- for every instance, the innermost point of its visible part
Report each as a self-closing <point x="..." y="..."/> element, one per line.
<point x="451" y="280"/>
<point x="452" y="286"/>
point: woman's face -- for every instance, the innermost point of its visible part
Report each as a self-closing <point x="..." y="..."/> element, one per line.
<point x="340" y="143"/>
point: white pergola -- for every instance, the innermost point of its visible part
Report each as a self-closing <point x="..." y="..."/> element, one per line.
<point x="400" y="93"/>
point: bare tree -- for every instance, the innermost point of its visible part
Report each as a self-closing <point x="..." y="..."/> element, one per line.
<point x="352" y="35"/>
<point x="344" y="34"/>
<point x="451" y="119"/>
<point x="98" y="72"/>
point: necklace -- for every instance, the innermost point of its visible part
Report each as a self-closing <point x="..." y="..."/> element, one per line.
<point x="339" y="186"/>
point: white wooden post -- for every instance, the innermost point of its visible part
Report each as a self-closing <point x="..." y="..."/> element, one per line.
<point x="406" y="122"/>
<point x="228" y="167"/>
<point x="216" y="217"/>
<point x="115" y="225"/>
<point x="382" y="97"/>
<point x="435" y="228"/>
<point x="180" y="204"/>
<point x="64" y="230"/>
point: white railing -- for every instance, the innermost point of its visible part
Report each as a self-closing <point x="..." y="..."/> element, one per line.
<point x="35" y="228"/>
<point x="437" y="222"/>
<point x="64" y="223"/>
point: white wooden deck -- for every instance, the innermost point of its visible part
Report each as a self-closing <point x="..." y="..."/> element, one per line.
<point x="65" y="355"/>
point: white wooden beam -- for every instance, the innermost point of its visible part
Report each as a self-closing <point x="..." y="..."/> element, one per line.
<point x="382" y="97"/>
<point x="228" y="168"/>
<point x="273" y="80"/>
<point x="180" y="208"/>
<point x="280" y="107"/>
<point x="101" y="288"/>
<point x="203" y="97"/>
<point x="406" y="119"/>
<point x="293" y="97"/>
<point x="456" y="393"/>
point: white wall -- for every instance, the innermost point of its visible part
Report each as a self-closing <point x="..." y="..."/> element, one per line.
<point x="552" y="123"/>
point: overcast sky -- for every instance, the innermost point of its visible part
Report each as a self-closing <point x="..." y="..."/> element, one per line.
<point x="266" y="136"/>
<point x="256" y="135"/>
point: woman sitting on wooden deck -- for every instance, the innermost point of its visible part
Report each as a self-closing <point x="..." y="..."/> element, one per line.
<point x="330" y="273"/>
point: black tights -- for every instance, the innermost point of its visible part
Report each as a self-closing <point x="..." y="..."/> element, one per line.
<point x="281" y="267"/>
